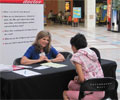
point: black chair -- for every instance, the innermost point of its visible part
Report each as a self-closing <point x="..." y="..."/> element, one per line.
<point x="67" y="55"/>
<point x="106" y="84"/>
<point x="17" y="61"/>
<point x="106" y="65"/>
<point x="97" y="53"/>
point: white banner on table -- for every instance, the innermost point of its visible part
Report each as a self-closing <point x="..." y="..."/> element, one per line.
<point x="19" y="24"/>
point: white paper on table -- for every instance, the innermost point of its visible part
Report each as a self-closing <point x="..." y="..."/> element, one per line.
<point x="54" y="65"/>
<point x="5" y="68"/>
<point x="22" y="66"/>
<point x="26" y="72"/>
<point x="42" y="67"/>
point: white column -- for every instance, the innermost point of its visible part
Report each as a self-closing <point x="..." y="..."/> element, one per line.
<point x="90" y="13"/>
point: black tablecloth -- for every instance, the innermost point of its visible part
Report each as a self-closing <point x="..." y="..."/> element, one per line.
<point x="49" y="85"/>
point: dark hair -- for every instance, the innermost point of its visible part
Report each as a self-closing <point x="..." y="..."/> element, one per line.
<point x="79" y="41"/>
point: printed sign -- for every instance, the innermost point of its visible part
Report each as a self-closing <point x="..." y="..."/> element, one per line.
<point x="22" y="1"/>
<point x="77" y="12"/>
<point x="19" y="25"/>
<point x="67" y="6"/>
<point x="109" y="14"/>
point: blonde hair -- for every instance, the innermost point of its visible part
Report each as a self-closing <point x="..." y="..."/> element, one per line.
<point x="40" y="35"/>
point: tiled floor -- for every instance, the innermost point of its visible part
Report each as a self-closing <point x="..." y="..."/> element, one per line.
<point x="106" y="41"/>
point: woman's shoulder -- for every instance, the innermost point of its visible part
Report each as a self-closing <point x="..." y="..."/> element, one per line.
<point x="78" y="53"/>
<point x="32" y="47"/>
<point x="52" y="47"/>
<point x="84" y="51"/>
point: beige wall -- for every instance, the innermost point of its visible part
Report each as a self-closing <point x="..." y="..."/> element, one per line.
<point x="56" y="6"/>
<point x="50" y="5"/>
<point x="61" y="5"/>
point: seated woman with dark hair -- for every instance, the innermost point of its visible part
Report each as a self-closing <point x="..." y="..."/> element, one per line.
<point x="87" y="66"/>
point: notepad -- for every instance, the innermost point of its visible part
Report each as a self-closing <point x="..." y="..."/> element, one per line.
<point x="54" y="65"/>
<point x="26" y="72"/>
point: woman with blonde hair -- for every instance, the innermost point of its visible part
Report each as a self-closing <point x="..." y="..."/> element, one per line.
<point x="41" y="50"/>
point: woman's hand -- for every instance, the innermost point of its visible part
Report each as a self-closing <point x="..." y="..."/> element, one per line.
<point x="48" y="60"/>
<point x="42" y="58"/>
<point x="59" y="58"/>
<point x="76" y="79"/>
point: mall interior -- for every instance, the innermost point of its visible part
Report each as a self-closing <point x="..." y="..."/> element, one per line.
<point x="99" y="21"/>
